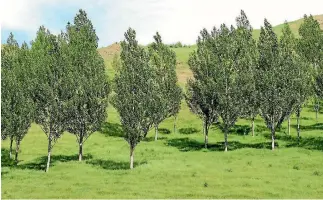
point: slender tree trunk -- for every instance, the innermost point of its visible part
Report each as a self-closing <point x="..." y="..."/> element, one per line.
<point x="81" y="147"/>
<point x="206" y="134"/>
<point x="175" y="118"/>
<point x="49" y="149"/>
<point x="298" y="128"/>
<point x="225" y="139"/>
<point x="131" y="156"/>
<point x="10" y="150"/>
<point x="253" y="126"/>
<point x="288" y="126"/>
<point x="272" y="137"/>
<point x="156" y="132"/>
<point x="17" y="150"/>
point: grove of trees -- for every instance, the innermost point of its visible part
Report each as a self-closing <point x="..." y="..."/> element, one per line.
<point x="60" y="81"/>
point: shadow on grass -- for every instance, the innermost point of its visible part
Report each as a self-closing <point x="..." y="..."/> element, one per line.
<point x="236" y="129"/>
<point x="150" y="139"/>
<point x="311" y="143"/>
<point x="187" y="131"/>
<point x="163" y="131"/>
<point x="187" y="144"/>
<point x="112" y="129"/>
<point x="41" y="162"/>
<point x="317" y="126"/>
<point x="112" y="165"/>
<point x="5" y="160"/>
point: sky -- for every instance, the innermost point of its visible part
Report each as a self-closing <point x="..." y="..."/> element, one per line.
<point x="175" y="20"/>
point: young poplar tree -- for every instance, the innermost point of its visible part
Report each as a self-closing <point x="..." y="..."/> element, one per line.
<point x="310" y="47"/>
<point x="233" y="74"/>
<point x="271" y="81"/>
<point x="49" y="76"/>
<point x="201" y="96"/>
<point x="9" y="60"/>
<point x="133" y="83"/>
<point x="16" y="103"/>
<point x="299" y="75"/>
<point x="246" y="58"/>
<point x="87" y="97"/>
<point x="166" y="95"/>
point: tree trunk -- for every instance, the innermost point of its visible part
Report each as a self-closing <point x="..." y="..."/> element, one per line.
<point x="80" y="151"/>
<point x="175" y="117"/>
<point x="272" y="137"/>
<point x="156" y="133"/>
<point x="131" y="156"/>
<point x="253" y="126"/>
<point x="81" y="147"/>
<point x="206" y="134"/>
<point x="226" y="140"/>
<point x="298" y="129"/>
<point x="49" y="150"/>
<point x="17" y="150"/>
<point x="10" y="150"/>
<point x="288" y="126"/>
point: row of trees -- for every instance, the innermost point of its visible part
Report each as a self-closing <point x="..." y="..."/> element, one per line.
<point x="237" y="77"/>
<point x="61" y="84"/>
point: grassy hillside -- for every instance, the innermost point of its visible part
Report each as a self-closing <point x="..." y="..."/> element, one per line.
<point x="294" y="25"/>
<point x="182" y="53"/>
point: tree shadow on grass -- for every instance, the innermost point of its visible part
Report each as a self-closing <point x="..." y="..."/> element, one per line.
<point x="5" y="160"/>
<point x="163" y="131"/>
<point x="317" y="126"/>
<point x="311" y="143"/>
<point x="236" y="129"/>
<point x="41" y="162"/>
<point x="112" y="129"/>
<point x="112" y="165"/>
<point x="187" y="131"/>
<point x="187" y="144"/>
<point x="152" y="138"/>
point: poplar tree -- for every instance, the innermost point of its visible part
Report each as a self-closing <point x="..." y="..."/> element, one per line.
<point x="201" y="96"/>
<point x="246" y="59"/>
<point x="299" y="75"/>
<point x="87" y="97"/>
<point x="9" y="60"/>
<point x="50" y="83"/>
<point x="132" y="85"/>
<point x="271" y="81"/>
<point x="310" y="47"/>
<point x="16" y="103"/>
<point x="167" y="95"/>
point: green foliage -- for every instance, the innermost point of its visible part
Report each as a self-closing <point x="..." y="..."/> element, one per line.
<point x="133" y="85"/>
<point x="87" y="93"/>
<point x="16" y="104"/>
<point x="50" y="83"/>
<point x="201" y="95"/>
<point x="167" y="94"/>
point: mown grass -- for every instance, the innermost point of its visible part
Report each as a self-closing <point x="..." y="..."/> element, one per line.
<point x="176" y="166"/>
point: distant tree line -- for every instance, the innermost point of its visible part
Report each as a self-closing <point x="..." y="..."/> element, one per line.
<point x="60" y="82"/>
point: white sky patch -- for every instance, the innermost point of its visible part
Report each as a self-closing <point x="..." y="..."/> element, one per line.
<point x="176" y="20"/>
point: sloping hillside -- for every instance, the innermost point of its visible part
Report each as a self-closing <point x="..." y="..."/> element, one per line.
<point x="182" y="53"/>
<point x="294" y="25"/>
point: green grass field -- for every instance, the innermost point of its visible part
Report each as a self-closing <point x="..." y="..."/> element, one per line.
<point x="175" y="166"/>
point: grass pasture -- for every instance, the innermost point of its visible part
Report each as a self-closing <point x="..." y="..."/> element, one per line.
<point x="176" y="166"/>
